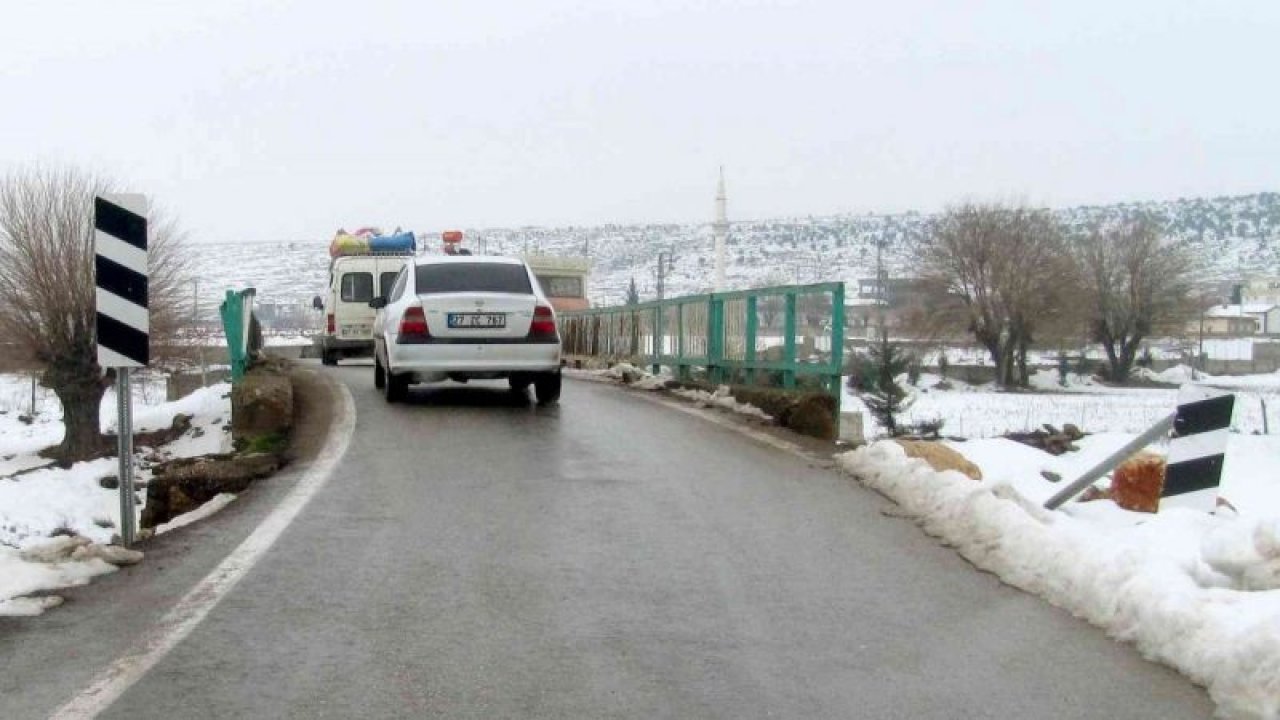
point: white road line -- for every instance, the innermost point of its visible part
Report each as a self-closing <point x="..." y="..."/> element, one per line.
<point x="178" y="623"/>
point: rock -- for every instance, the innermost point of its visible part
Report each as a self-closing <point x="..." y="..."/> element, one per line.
<point x="1137" y="482"/>
<point x="1095" y="493"/>
<point x="1052" y="443"/>
<point x="155" y="438"/>
<point x="1072" y="431"/>
<point x="261" y="404"/>
<point x="184" y="484"/>
<point x="1051" y="476"/>
<point x="940" y="457"/>
<point x="109" y="482"/>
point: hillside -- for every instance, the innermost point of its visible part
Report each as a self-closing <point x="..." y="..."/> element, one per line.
<point x="1239" y="235"/>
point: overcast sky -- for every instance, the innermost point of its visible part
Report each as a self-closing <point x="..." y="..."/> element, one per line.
<point x="260" y="120"/>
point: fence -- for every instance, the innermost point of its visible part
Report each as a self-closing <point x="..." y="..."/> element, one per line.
<point x="237" y="314"/>
<point x="789" y="336"/>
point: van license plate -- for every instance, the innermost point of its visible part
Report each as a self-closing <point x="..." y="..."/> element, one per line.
<point x="477" y="320"/>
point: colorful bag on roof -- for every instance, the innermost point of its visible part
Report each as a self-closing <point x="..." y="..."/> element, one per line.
<point x="348" y="244"/>
<point x="393" y="243"/>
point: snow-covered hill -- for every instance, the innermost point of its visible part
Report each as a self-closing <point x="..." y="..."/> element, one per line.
<point x="1240" y="235"/>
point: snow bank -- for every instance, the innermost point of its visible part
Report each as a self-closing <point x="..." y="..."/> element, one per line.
<point x="1177" y="584"/>
<point x="722" y="398"/>
<point x="39" y="502"/>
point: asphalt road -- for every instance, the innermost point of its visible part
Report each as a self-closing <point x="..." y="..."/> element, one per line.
<point x="476" y="556"/>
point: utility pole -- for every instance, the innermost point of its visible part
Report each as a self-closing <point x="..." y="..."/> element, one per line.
<point x="881" y="298"/>
<point x="721" y="231"/>
<point x="195" y="326"/>
<point x="666" y="261"/>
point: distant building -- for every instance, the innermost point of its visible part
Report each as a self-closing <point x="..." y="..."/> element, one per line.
<point x="895" y="292"/>
<point x="1240" y="320"/>
<point x="901" y="302"/>
<point x="1260" y="291"/>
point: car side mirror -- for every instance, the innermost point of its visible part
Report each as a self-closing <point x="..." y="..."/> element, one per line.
<point x="378" y="303"/>
<point x="317" y="303"/>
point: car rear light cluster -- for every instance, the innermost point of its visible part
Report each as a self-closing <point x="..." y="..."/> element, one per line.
<point x="413" y="325"/>
<point x="330" y="326"/>
<point x="544" y="323"/>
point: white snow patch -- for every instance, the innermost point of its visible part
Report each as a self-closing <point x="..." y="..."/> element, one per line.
<point x="39" y="502"/>
<point x="1179" y="585"/>
<point x="216" y="503"/>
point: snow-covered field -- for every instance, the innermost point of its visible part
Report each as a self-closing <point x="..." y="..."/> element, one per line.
<point x="39" y="501"/>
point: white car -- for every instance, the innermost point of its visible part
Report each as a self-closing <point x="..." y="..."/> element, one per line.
<point x="463" y="318"/>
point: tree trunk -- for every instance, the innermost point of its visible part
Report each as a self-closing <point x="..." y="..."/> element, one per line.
<point x="1124" y="363"/>
<point x="1113" y="360"/>
<point x="80" y="391"/>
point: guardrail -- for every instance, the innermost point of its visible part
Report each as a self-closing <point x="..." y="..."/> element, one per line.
<point x="788" y="336"/>
<point x="237" y="312"/>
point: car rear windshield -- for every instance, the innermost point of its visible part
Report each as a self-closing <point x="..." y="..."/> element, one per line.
<point x="472" y="277"/>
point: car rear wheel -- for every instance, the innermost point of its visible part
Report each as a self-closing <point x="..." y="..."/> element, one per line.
<point x="547" y="387"/>
<point x="379" y="375"/>
<point x="329" y="357"/>
<point x="394" y="387"/>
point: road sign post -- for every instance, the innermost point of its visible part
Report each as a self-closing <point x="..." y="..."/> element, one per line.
<point x="123" y="324"/>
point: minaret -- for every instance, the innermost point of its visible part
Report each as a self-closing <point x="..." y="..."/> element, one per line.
<point x="720" y="229"/>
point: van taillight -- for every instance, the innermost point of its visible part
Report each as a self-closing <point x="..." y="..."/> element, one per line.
<point x="544" y="323"/>
<point x="413" y="324"/>
<point x="329" y="325"/>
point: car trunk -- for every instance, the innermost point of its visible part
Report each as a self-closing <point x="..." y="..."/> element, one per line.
<point x="483" y="316"/>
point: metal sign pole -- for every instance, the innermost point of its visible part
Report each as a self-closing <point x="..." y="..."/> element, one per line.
<point x="1155" y="432"/>
<point x="124" y="436"/>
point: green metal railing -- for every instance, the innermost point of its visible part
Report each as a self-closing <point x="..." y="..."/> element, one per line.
<point x="236" y="311"/>
<point x="789" y="336"/>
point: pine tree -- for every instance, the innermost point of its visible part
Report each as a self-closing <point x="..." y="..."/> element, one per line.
<point x="633" y="295"/>
<point x="887" y="398"/>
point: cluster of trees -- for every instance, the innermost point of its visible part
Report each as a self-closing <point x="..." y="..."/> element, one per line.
<point x="1015" y="276"/>
<point x="47" y="296"/>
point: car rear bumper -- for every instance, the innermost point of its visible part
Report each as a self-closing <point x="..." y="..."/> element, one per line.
<point x="346" y="347"/>
<point x="455" y="357"/>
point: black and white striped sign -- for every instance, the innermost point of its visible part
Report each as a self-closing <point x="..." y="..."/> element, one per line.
<point x="120" y="276"/>
<point x="1197" y="449"/>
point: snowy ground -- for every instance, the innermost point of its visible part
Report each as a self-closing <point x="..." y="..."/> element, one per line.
<point x="38" y="501"/>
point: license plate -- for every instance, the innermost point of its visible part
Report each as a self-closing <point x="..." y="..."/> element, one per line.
<point x="477" y="320"/>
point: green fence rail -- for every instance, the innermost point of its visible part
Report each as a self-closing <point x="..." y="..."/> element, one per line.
<point x="236" y="312"/>
<point x="790" y="336"/>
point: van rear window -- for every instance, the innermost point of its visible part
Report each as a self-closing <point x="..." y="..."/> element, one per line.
<point x="472" y="277"/>
<point x="357" y="287"/>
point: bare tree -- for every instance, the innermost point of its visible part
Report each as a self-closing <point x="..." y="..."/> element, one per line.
<point x="1006" y="267"/>
<point x="47" y="299"/>
<point x="1135" y="283"/>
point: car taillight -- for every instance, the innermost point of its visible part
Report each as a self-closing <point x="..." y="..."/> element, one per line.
<point x="544" y="323"/>
<point x="413" y="324"/>
<point x="329" y="325"/>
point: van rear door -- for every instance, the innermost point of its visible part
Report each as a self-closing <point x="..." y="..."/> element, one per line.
<point x="358" y="280"/>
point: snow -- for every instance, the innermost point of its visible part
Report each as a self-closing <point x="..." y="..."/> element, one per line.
<point x="641" y="379"/>
<point x="1199" y="592"/>
<point x="216" y="503"/>
<point x="38" y="500"/>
